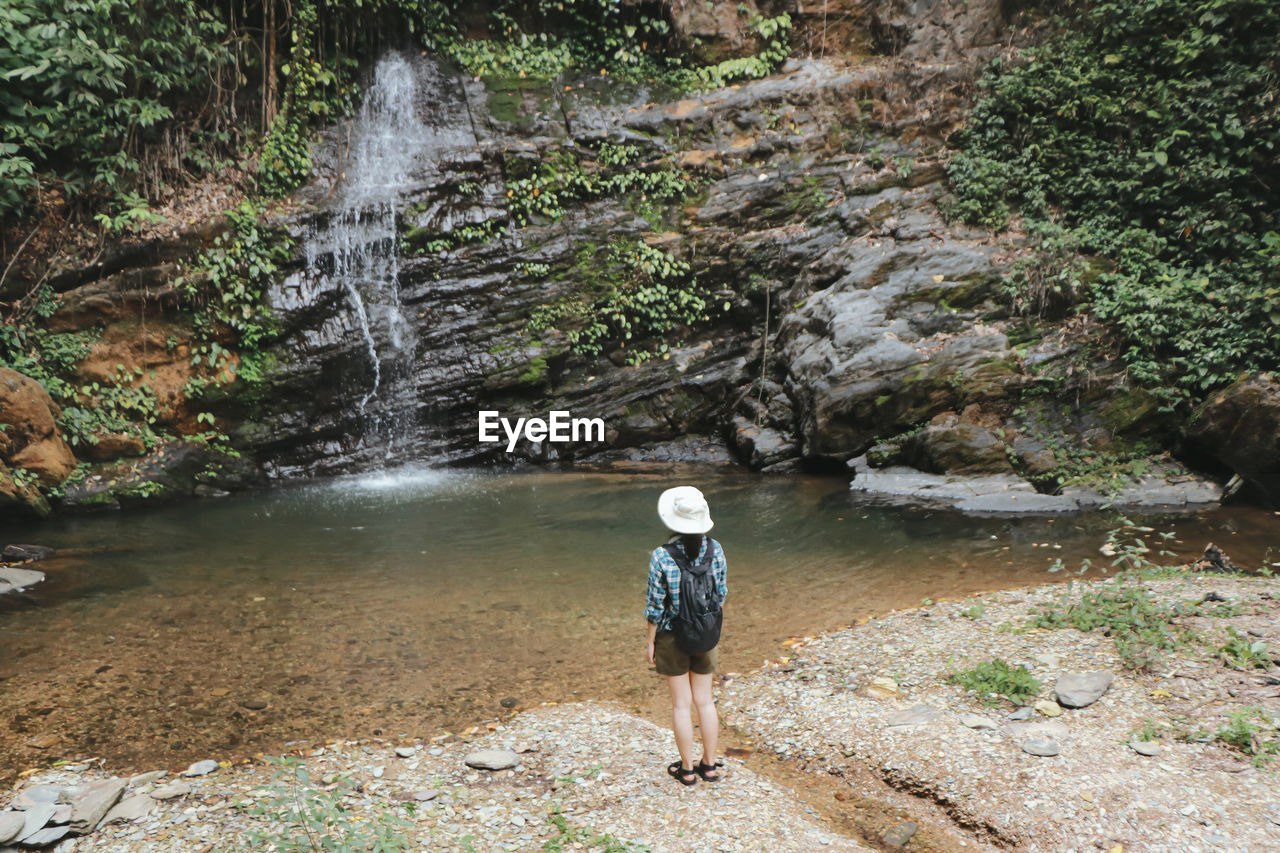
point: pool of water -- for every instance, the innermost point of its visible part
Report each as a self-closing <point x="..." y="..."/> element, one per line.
<point x="421" y="600"/>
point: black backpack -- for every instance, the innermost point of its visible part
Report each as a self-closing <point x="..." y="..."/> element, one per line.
<point x="697" y="624"/>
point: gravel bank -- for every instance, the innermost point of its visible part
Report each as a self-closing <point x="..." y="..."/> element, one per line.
<point x="599" y="770"/>
<point x="823" y="707"/>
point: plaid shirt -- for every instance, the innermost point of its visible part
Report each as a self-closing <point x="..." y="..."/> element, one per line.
<point x="662" y="596"/>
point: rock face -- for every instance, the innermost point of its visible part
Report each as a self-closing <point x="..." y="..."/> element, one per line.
<point x="847" y="326"/>
<point x="32" y="441"/>
<point x="1238" y="427"/>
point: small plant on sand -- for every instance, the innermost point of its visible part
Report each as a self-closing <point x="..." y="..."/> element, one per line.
<point x="1253" y="731"/>
<point x="577" y="838"/>
<point x="994" y="678"/>
<point x="300" y="818"/>
<point x="1242" y="654"/>
<point x="1142" y="627"/>
<point x="975" y="612"/>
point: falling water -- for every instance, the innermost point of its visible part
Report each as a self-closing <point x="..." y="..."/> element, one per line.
<point x="360" y="248"/>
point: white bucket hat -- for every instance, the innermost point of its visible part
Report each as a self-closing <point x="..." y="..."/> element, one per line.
<point x="684" y="510"/>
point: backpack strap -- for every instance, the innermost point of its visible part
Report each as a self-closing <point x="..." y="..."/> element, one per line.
<point x="682" y="560"/>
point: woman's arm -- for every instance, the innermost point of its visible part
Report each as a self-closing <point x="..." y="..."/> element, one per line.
<point x="653" y="633"/>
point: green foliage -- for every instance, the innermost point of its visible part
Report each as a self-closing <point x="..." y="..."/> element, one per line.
<point x="995" y="678"/>
<point x="563" y="179"/>
<point x="1244" y="654"/>
<point x="975" y="612"/>
<point x="775" y="34"/>
<point x="226" y="283"/>
<point x="635" y="294"/>
<point x="1253" y="731"/>
<point x="88" y="83"/>
<point x="298" y="817"/>
<point x="1149" y="133"/>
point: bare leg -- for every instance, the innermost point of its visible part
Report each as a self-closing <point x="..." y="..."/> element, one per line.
<point x="682" y="721"/>
<point x="708" y="719"/>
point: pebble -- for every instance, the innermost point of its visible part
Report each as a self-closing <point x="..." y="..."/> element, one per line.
<point x="1044" y="748"/>
<point x="1144" y="747"/>
<point x="170" y="791"/>
<point x="1048" y="708"/>
<point x="492" y="759"/>
<point x="914" y="716"/>
<point x="406" y="751"/>
<point x="1081" y="689"/>
<point x="977" y="721"/>
<point x="1023" y="713"/>
<point x="898" y="837"/>
<point x="201" y="768"/>
<point x="145" y="778"/>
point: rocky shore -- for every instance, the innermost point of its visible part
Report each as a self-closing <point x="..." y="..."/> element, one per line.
<point x="1093" y="755"/>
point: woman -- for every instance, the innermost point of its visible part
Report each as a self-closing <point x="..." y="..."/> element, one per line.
<point x="684" y="511"/>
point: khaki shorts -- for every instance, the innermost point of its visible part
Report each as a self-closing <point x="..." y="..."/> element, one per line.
<point x="669" y="660"/>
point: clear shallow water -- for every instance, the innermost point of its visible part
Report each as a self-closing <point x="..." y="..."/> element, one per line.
<point x="411" y="601"/>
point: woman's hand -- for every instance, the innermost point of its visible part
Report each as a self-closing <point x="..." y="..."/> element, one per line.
<point x="650" y="655"/>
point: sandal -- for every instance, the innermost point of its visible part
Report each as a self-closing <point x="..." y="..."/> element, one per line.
<point x="685" y="777"/>
<point x="703" y="769"/>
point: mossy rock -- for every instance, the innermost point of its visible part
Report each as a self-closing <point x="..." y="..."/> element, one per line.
<point x="1132" y="411"/>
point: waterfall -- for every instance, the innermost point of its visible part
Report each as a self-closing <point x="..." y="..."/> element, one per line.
<point x="358" y="245"/>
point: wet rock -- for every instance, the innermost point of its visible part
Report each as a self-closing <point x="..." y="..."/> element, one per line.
<point x="1043" y="748"/>
<point x="201" y="768"/>
<point x="1001" y="493"/>
<point x="26" y="553"/>
<point x="1214" y="560"/>
<point x="1240" y="427"/>
<point x="914" y="716"/>
<point x="951" y="446"/>
<point x="93" y="802"/>
<point x="21" y="497"/>
<point x="12" y="579"/>
<point x="492" y="759"/>
<point x="1081" y="689"/>
<point x="1145" y="747"/>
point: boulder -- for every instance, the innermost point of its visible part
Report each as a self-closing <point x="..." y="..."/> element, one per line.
<point x="25" y="553"/>
<point x="949" y="445"/>
<point x="32" y="440"/>
<point x="21" y="496"/>
<point x="1240" y="427"/>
